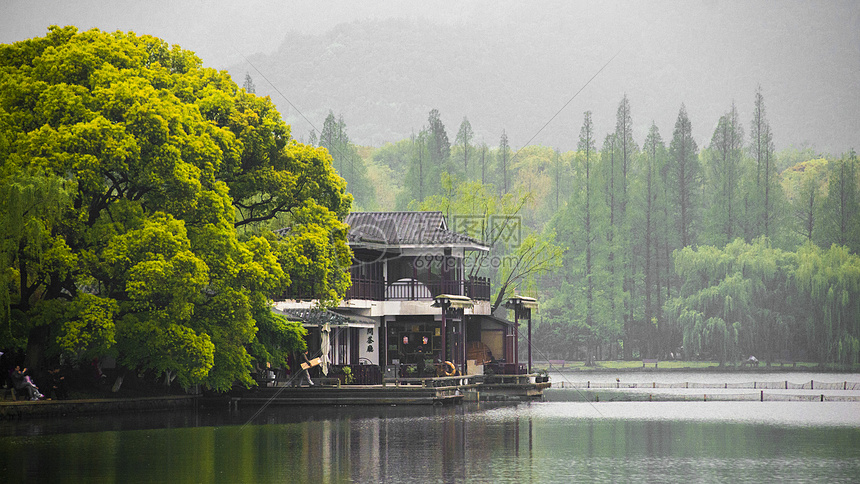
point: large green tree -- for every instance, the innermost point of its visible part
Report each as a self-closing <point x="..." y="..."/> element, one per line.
<point x="137" y="189"/>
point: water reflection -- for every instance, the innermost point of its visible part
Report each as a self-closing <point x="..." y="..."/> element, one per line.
<point x="542" y="442"/>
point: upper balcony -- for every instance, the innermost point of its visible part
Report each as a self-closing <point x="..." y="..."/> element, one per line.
<point x="477" y="288"/>
<point x="409" y="256"/>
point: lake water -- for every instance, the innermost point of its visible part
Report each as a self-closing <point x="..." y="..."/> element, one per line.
<point x="553" y="441"/>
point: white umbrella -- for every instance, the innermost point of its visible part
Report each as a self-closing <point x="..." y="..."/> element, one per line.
<point x="325" y="348"/>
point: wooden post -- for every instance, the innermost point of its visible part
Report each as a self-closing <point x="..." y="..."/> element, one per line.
<point x="530" y="340"/>
<point x="444" y="335"/>
<point x="516" y="341"/>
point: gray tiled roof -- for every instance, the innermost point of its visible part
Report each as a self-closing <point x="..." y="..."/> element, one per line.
<point x="404" y="228"/>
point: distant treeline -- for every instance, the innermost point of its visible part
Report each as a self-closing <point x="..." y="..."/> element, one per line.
<point x="719" y="251"/>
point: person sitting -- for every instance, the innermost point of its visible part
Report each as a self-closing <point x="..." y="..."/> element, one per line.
<point x="22" y="381"/>
<point x="59" y="388"/>
<point x="306" y="375"/>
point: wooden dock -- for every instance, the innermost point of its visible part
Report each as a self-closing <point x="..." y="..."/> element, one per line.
<point x="350" y="395"/>
<point x="512" y="388"/>
<point x="395" y="391"/>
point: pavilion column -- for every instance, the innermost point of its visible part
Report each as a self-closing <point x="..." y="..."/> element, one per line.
<point x="522" y="305"/>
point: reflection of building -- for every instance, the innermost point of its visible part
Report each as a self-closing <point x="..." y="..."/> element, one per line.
<point x="392" y="316"/>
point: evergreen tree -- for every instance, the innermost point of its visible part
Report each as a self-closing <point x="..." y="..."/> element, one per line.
<point x="346" y="161"/>
<point x="249" y="84"/>
<point x="464" y="138"/>
<point x="581" y="305"/>
<point x="438" y="144"/>
<point x="626" y="151"/>
<point x="557" y="178"/>
<point x="767" y="198"/>
<point x="611" y="178"/>
<point x="685" y="175"/>
<point x="654" y="153"/>
<point x="587" y="153"/>
<point x="484" y="150"/>
<point x="841" y="209"/>
<point x="723" y="180"/>
<point x="418" y="183"/>
<point x="504" y="157"/>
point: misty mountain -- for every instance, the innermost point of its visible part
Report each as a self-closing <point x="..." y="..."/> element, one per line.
<point x="384" y="76"/>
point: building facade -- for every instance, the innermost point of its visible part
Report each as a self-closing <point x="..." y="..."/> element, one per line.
<point x="412" y="304"/>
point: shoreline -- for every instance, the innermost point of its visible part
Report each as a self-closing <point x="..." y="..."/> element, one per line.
<point x="50" y="408"/>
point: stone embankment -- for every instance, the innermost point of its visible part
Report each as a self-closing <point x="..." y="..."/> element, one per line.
<point x="47" y="408"/>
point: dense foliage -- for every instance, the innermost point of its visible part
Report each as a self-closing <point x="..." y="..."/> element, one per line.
<point x="137" y="194"/>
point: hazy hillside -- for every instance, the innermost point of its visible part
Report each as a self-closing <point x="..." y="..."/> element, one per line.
<point x="384" y="76"/>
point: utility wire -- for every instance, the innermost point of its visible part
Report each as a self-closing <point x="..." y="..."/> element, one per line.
<point x="565" y="105"/>
<point x="546" y="357"/>
<point x="551" y="119"/>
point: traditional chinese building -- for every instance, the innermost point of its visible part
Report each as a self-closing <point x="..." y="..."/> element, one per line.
<point x="412" y="302"/>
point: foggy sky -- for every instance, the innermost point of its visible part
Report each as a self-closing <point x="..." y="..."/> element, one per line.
<point x="805" y="55"/>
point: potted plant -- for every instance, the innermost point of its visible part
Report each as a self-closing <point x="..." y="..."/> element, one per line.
<point x="348" y="378"/>
<point x="542" y="376"/>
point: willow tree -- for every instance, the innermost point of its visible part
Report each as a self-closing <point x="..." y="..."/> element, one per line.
<point x="127" y="171"/>
<point x="732" y="300"/>
<point x="828" y="303"/>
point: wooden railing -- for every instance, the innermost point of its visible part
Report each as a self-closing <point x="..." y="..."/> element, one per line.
<point x="462" y="381"/>
<point x="377" y="290"/>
